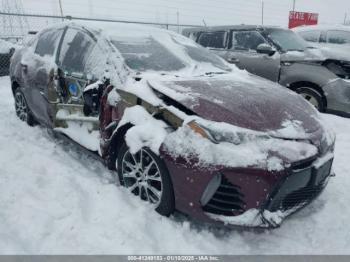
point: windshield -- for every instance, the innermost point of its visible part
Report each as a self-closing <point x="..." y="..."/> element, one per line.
<point x="166" y="52"/>
<point x="286" y="40"/>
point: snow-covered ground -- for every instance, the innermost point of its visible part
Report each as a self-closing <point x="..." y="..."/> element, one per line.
<point x="55" y="199"/>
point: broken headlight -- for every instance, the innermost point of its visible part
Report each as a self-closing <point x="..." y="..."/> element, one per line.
<point x="230" y="136"/>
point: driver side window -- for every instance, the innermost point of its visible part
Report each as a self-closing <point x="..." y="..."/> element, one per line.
<point x="76" y="47"/>
<point x="246" y="40"/>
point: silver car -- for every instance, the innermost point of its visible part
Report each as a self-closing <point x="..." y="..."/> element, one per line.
<point x="325" y="35"/>
<point x="282" y="56"/>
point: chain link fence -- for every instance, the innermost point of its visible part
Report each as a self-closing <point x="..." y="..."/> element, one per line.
<point x="17" y="29"/>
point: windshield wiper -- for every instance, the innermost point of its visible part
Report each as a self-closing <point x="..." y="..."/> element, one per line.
<point x="215" y="73"/>
<point x="296" y="50"/>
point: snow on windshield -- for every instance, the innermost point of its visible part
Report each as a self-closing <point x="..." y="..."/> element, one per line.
<point x="164" y="52"/>
<point x="146" y="48"/>
<point x="287" y="40"/>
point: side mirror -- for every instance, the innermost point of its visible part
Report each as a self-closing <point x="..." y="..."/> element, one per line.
<point x="265" y="49"/>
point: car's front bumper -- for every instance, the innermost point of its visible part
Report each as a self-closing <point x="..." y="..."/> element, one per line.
<point x="337" y="93"/>
<point x="246" y="196"/>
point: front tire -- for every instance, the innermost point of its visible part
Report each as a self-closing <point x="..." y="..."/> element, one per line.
<point x="313" y="97"/>
<point x="22" y="110"/>
<point x="146" y="176"/>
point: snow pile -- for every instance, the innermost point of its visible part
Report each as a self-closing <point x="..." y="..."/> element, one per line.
<point x="146" y="131"/>
<point x="254" y="217"/>
<point x="33" y="60"/>
<point x="80" y="129"/>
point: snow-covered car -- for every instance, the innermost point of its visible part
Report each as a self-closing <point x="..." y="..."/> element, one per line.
<point x="325" y="35"/>
<point x="184" y="129"/>
<point x="282" y="56"/>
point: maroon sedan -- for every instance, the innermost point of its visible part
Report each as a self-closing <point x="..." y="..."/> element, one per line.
<point x="183" y="129"/>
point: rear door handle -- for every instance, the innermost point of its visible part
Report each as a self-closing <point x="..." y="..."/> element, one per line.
<point x="24" y="67"/>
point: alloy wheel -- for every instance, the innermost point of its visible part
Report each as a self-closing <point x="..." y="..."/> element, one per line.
<point x="21" y="107"/>
<point x="311" y="99"/>
<point x="141" y="175"/>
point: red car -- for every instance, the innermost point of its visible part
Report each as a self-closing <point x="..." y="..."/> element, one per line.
<point x="183" y="129"/>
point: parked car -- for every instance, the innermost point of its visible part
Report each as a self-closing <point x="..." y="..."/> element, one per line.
<point x="183" y="129"/>
<point x="282" y="56"/>
<point x="333" y="42"/>
<point x="323" y="35"/>
<point x="6" y="51"/>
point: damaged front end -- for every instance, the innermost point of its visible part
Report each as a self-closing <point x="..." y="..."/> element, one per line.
<point x="225" y="173"/>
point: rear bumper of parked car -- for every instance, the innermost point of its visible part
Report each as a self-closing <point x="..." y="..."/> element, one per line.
<point x="337" y="93"/>
<point x="246" y="196"/>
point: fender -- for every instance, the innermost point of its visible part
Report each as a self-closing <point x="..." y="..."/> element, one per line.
<point x="113" y="143"/>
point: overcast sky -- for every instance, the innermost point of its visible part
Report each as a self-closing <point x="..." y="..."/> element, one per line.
<point x="194" y="11"/>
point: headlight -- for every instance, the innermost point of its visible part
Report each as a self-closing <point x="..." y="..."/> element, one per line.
<point x="234" y="137"/>
<point x="339" y="68"/>
<point x="202" y="131"/>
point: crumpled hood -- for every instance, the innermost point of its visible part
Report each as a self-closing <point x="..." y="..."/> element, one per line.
<point x="245" y="101"/>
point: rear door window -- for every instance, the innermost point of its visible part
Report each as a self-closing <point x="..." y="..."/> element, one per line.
<point x="76" y="48"/>
<point x="311" y="36"/>
<point x="213" y="39"/>
<point x="48" y="42"/>
<point x="338" y="37"/>
<point x="246" y="40"/>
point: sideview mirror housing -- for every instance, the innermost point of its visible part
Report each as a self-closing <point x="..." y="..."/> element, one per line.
<point x="266" y="49"/>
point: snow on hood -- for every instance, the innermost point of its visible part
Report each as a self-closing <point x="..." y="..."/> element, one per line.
<point x="336" y="52"/>
<point x="308" y="55"/>
<point x="248" y="102"/>
<point x="319" y="53"/>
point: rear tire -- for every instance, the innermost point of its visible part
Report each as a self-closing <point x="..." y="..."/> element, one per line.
<point x="22" y="110"/>
<point x="146" y="176"/>
<point x="313" y="97"/>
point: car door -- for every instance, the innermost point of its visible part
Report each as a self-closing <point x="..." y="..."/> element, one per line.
<point x="216" y="41"/>
<point x="38" y="71"/>
<point x="338" y="37"/>
<point x="313" y="37"/>
<point x="77" y="47"/>
<point x="242" y="51"/>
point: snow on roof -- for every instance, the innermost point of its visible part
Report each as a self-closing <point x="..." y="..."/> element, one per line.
<point x="322" y="27"/>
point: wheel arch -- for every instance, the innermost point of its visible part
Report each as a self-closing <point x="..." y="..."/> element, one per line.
<point x="117" y="141"/>
<point x="14" y="86"/>
<point x="294" y="86"/>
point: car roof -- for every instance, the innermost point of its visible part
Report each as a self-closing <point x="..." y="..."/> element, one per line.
<point x="110" y="28"/>
<point x="322" y="27"/>
<point x="226" y="28"/>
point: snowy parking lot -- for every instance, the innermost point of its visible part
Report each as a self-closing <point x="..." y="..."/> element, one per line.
<point x="58" y="200"/>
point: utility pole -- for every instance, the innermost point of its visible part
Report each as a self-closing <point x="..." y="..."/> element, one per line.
<point x="61" y="9"/>
<point x="345" y="18"/>
<point x="178" y="21"/>
<point x="262" y="12"/>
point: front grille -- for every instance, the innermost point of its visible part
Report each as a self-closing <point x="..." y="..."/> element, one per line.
<point x="301" y="187"/>
<point x="226" y="201"/>
<point x="300" y="197"/>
